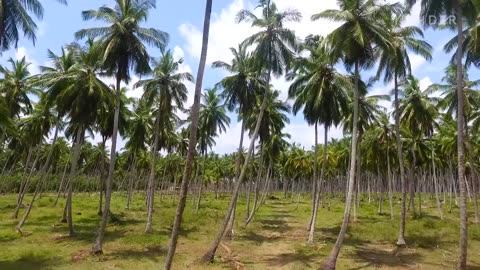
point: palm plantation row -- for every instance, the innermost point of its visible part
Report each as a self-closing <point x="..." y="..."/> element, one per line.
<point x="48" y="119"/>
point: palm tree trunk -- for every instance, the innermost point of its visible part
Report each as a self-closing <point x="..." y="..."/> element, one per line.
<point x="401" y="235"/>
<point x="73" y="170"/>
<point x="247" y="208"/>
<point x="257" y="184"/>
<point x="130" y="180"/>
<point x="43" y="174"/>
<point x="314" y="181"/>
<point x="322" y="175"/>
<point x="473" y="173"/>
<point x="151" y="177"/>
<point x="61" y="185"/>
<point x="24" y="180"/>
<point x="201" y="182"/>
<point x="193" y="139"/>
<point x="332" y="258"/>
<point x="435" y="184"/>
<point x="102" y="181"/>
<point x="209" y="256"/>
<point x="27" y="183"/>
<point x="97" y="245"/>
<point x="266" y="187"/>
<point x="462" y="262"/>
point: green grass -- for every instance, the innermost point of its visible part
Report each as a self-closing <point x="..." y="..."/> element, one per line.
<point x="276" y="239"/>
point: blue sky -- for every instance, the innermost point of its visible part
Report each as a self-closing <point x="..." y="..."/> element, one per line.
<point x="183" y="20"/>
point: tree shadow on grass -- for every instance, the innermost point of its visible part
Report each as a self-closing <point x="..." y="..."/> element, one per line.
<point x="151" y="253"/>
<point x="257" y="238"/>
<point x="425" y="241"/>
<point x="383" y="257"/>
<point x="281" y="260"/>
<point x="30" y="261"/>
<point x="274" y="225"/>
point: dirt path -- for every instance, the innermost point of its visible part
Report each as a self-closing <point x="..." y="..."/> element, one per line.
<point x="272" y="242"/>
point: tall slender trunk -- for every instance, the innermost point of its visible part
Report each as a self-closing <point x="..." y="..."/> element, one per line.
<point x="230" y="231"/>
<point x="151" y="177"/>
<point x="401" y="235"/>
<point x="23" y="182"/>
<point x="102" y="175"/>
<point x="435" y="185"/>
<point x="462" y="262"/>
<point x="331" y="261"/>
<point x="201" y="183"/>
<point x="193" y="139"/>
<point x="322" y="175"/>
<point x="209" y="256"/>
<point x="390" y="185"/>
<point x="314" y="182"/>
<point x="130" y="180"/>
<point x="247" y="207"/>
<point x="26" y="183"/>
<point x="97" y="244"/>
<point x="73" y="170"/>
<point x="473" y="173"/>
<point x="257" y="184"/>
<point x="61" y="185"/>
<point x="43" y="174"/>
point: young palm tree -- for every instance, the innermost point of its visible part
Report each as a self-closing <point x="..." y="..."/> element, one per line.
<point x="195" y="111"/>
<point x="241" y="88"/>
<point x="213" y="120"/>
<point x="122" y="43"/>
<point x="322" y="92"/>
<point x="43" y="119"/>
<point x="418" y="113"/>
<point x="273" y="53"/>
<point x="14" y="15"/>
<point x="355" y="40"/>
<point x="274" y="120"/>
<point x="395" y="64"/>
<point x="139" y="131"/>
<point x="165" y="90"/>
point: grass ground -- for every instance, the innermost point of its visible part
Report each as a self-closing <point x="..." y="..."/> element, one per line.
<point x="276" y="239"/>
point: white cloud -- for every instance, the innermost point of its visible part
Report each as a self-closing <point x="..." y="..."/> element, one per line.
<point x="416" y="61"/>
<point x="178" y="53"/>
<point x="425" y="83"/>
<point x="23" y="52"/>
<point x="228" y="142"/>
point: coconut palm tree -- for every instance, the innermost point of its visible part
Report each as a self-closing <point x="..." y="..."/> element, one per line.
<point x="14" y="15"/>
<point x="362" y="30"/>
<point x="395" y="65"/>
<point x="15" y="87"/>
<point x="105" y="128"/>
<point x="43" y="119"/>
<point x="460" y="10"/>
<point x="213" y="121"/>
<point x="122" y="42"/>
<point x="240" y="91"/>
<point x="78" y="94"/>
<point x="273" y="53"/>
<point x="165" y="90"/>
<point x="418" y="112"/>
<point x="274" y="120"/>
<point x="241" y="88"/>
<point x="322" y="92"/>
<point x="195" y="111"/>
